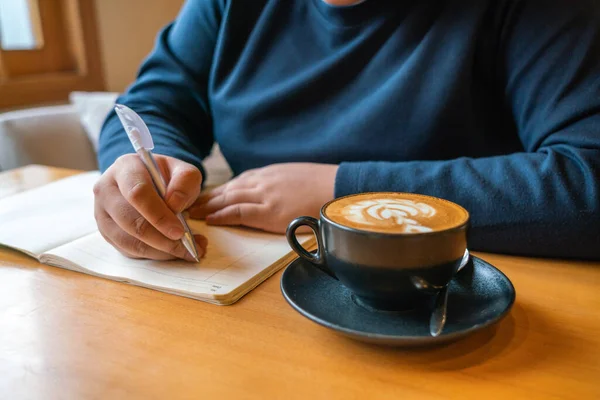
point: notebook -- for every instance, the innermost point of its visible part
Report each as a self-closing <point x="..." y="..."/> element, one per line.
<point x="55" y="224"/>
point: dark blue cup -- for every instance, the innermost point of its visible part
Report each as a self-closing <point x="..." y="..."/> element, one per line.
<point x="388" y="271"/>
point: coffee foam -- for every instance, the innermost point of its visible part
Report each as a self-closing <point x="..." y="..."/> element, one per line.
<point x="389" y="212"/>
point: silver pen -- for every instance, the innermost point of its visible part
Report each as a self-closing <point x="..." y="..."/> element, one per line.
<point x="140" y="138"/>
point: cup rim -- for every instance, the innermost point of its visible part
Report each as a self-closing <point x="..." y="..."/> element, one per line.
<point x="401" y="234"/>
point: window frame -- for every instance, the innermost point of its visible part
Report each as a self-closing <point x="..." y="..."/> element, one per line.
<point x="68" y="60"/>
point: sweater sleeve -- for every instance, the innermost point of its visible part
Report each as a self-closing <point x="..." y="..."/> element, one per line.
<point x="170" y="92"/>
<point x="544" y="201"/>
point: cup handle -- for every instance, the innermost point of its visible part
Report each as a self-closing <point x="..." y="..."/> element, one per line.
<point x="317" y="258"/>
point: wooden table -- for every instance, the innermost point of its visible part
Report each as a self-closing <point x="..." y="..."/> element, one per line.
<point x="69" y="335"/>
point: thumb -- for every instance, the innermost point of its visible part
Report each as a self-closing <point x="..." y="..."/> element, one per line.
<point x="184" y="184"/>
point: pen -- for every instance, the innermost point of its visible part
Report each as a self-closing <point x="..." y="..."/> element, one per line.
<point x="140" y="138"/>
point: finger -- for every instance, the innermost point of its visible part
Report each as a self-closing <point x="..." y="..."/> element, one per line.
<point x="127" y="244"/>
<point x="201" y="244"/>
<point x="126" y="254"/>
<point x="135" y="185"/>
<point x="251" y="215"/>
<point x="204" y="197"/>
<point x="247" y="180"/>
<point x="132" y="222"/>
<point x="113" y="244"/>
<point x="227" y="198"/>
<point x="209" y="194"/>
<point x="184" y="184"/>
<point x="234" y="185"/>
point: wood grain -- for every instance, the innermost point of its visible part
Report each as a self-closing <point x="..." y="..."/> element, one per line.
<point x="69" y="335"/>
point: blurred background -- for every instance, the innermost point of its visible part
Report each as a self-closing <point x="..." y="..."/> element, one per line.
<point x="49" y="48"/>
<point x="127" y="29"/>
<point x="62" y="65"/>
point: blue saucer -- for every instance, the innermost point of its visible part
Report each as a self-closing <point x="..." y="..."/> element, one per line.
<point x="479" y="296"/>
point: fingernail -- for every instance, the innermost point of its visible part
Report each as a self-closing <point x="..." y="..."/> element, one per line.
<point x="175" y="233"/>
<point x="177" y="201"/>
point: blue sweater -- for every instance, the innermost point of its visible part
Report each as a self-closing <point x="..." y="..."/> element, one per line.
<point x="493" y="104"/>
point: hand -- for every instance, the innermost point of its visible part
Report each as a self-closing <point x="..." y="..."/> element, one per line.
<point x="133" y="217"/>
<point x="268" y="198"/>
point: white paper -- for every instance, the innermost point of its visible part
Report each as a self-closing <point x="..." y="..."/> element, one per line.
<point x="40" y="219"/>
<point x="234" y="256"/>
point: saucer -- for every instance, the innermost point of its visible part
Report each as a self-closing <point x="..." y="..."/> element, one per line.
<point x="479" y="296"/>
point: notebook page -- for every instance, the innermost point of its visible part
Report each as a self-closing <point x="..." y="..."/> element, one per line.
<point x="40" y="219"/>
<point x="234" y="256"/>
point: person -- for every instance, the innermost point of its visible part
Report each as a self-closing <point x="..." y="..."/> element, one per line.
<point x="492" y="104"/>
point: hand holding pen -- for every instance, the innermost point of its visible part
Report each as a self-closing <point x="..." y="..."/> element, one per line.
<point x="133" y="215"/>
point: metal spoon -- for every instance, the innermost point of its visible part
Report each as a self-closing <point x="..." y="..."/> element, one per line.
<point x="438" y="316"/>
<point x="425" y="286"/>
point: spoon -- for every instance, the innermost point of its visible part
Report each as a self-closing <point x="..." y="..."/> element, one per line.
<point x="425" y="286"/>
<point x="438" y="317"/>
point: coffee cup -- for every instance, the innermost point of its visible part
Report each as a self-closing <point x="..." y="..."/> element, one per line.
<point x="391" y="250"/>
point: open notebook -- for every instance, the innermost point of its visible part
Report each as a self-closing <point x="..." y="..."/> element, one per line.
<point x="55" y="224"/>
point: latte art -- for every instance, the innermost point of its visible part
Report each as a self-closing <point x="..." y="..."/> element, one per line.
<point x="394" y="212"/>
<point x="399" y="212"/>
